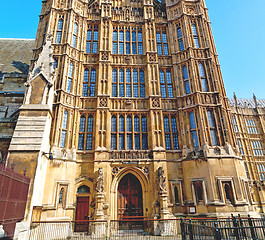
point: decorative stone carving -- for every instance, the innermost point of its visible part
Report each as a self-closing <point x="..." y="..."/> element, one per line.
<point x="162" y="180"/>
<point x="104" y="56"/>
<point x="152" y="57"/>
<point x="130" y="155"/>
<point x="100" y="181"/>
<point x="115" y="171"/>
<point x="156" y="103"/>
<point x="103" y="102"/>
<point x="146" y="170"/>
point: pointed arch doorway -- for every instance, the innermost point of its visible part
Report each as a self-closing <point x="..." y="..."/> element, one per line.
<point x="130" y="197"/>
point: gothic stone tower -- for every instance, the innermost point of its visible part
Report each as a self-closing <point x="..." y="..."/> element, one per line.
<point x="134" y="113"/>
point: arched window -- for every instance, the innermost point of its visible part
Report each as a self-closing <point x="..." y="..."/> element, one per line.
<point x="62" y="196"/>
<point x="140" y="42"/>
<point x="134" y="45"/>
<point x="89" y="133"/>
<point x="212" y="127"/>
<point x="115" y="42"/>
<point x="167" y="132"/>
<point x="186" y="79"/>
<point x="82" y="127"/>
<point x="142" y="84"/>
<point x="180" y="39"/>
<point x="166" y="84"/>
<point x="85" y="82"/>
<point x="89" y="41"/>
<point x="92" y="83"/>
<point x="85" y="133"/>
<point x="70" y="77"/>
<point x="144" y="133"/>
<point x="121" y="133"/>
<point x="114" y="83"/>
<point x="95" y="42"/>
<point x="64" y="129"/>
<point x="83" y="189"/>
<point x="113" y="132"/>
<point x="121" y="83"/>
<point x="121" y="42"/>
<point x="74" y="38"/>
<point x="129" y="132"/>
<point x="135" y="83"/>
<point x="162" y="45"/>
<point x="203" y="78"/>
<point x="135" y="132"/>
<point x="92" y="40"/>
<point x="195" y="36"/>
<point x="128" y="83"/>
<point x="193" y="130"/>
<point x="59" y="31"/>
<point x="128" y="42"/>
<point x="171" y="132"/>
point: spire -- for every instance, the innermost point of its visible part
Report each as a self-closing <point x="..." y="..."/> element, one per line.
<point x="255" y="100"/>
<point x="235" y="98"/>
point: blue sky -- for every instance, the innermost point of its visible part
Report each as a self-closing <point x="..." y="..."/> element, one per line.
<point x="238" y="28"/>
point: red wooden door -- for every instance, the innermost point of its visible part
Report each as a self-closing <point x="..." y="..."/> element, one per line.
<point x="82" y="213"/>
<point x="130" y="200"/>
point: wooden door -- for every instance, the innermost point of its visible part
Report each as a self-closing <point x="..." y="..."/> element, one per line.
<point x="130" y="200"/>
<point x="82" y="213"/>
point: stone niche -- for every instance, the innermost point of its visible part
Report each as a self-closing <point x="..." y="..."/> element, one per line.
<point x="37" y="90"/>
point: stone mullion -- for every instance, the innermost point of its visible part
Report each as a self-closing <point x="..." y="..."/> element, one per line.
<point x="75" y="135"/>
<point x="201" y="125"/>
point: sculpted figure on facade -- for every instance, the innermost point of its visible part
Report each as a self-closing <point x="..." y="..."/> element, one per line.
<point x="162" y="180"/>
<point x="100" y="181"/>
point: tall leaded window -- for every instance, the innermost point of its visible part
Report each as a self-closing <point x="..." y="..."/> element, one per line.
<point x="59" y="31"/>
<point x="203" y="78"/>
<point x="92" y="40"/>
<point x="129" y="83"/>
<point x="186" y="79"/>
<point x="240" y="146"/>
<point x="74" y="37"/>
<point x="180" y="39"/>
<point x="171" y="132"/>
<point x="85" y="132"/>
<point x="114" y="83"/>
<point x="162" y="43"/>
<point x="130" y="38"/>
<point x="70" y="77"/>
<point x="113" y="132"/>
<point x="115" y="42"/>
<point x="261" y="170"/>
<point x="140" y="42"/>
<point x="195" y="36"/>
<point x="131" y="137"/>
<point x="64" y="129"/>
<point x="251" y="126"/>
<point x="193" y="130"/>
<point x="234" y="123"/>
<point x="257" y="148"/>
<point x="89" y="83"/>
<point x="212" y="127"/>
<point x="166" y="84"/>
<point x="121" y="41"/>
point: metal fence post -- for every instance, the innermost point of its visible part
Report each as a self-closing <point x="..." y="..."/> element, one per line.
<point x="183" y="230"/>
<point x="217" y="234"/>
<point x="253" y="235"/>
<point x="190" y="230"/>
<point x="235" y="223"/>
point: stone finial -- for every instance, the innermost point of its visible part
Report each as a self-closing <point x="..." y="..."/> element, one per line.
<point x="255" y="100"/>
<point x="235" y="98"/>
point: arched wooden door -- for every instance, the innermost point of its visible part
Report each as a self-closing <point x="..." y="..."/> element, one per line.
<point x="130" y="197"/>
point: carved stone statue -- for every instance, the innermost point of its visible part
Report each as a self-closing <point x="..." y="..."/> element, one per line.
<point x="162" y="180"/>
<point x="100" y="181"/>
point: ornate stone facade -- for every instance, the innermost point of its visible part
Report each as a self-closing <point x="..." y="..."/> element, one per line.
<point x="125" y="90"/>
